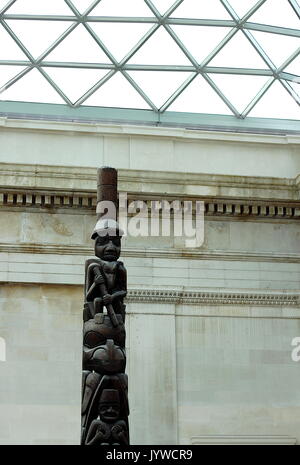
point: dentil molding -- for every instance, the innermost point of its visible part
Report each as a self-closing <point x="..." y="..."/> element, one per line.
<point x="51" y="201"/>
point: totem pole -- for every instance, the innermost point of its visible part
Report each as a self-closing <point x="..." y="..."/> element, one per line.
<point x="104" y="382"/>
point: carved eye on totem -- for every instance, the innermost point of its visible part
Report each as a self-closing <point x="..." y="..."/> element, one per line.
<point x="93" y="339"/>
<point x="103" y="240"/>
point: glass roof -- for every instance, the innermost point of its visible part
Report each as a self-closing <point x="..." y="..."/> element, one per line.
<point x="222" y="57"/>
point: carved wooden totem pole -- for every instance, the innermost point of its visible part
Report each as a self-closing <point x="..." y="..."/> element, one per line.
<point x="104" y="382"/>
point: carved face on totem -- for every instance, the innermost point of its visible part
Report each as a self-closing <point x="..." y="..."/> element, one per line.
<point x="108" y="247"/>
<point x="109" y="405"/>
<point x="107" y="235"/>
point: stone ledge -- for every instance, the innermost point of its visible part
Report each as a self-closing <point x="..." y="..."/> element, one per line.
<point x="36" y="124"/>
<point x="191" y="254"/>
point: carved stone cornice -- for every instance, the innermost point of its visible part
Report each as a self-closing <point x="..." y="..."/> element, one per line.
<point x="213" y="298"/>
<point x="86" y="201"/>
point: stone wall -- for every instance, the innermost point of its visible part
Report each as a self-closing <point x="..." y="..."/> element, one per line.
<point x="209" y="329"/>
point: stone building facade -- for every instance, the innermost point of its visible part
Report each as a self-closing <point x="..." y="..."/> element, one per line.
<point x="209" y="329"/>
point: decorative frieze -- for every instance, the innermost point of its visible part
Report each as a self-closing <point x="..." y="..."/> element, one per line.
<point x="213" y="207"/>
<point x="213" y="298"/>
<point x="47" y="199"/>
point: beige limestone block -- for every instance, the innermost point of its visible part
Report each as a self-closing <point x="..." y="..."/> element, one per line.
<point x="117" y="152"/>
<point x="151" y="153"/>
<point x="51" y="229"/>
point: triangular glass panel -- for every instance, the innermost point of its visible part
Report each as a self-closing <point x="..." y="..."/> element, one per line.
<point x="32" y="87"/>
<point x="117" y="92"/>
<point x="276" y="103"/>
<point x="294" y="66"/>
<point x="276" y="13"/>
<point x="199" y="97"/>
<point x="241" y="7"/>
<point x="74" y="82"/>
<point x="8" y="72"/>
<point x="37" y="36"/>
<point x="120" y="38"/>
<point x="159" y="85"/>
<point x="82" y="5"/>
<point x="277" y="46"/>
<point x="79" y="46"/>
<point x="200" y="40"/>
<point x="122" y="8"/>
<point x="239" y="89"/>
<point x="163" y="5"/>
<point x="160" y="49"/>
<point x="201" y="10"/>
<point x="238" y="53"/>
<point x="9" y="50"/>
<point x="34" y="7"/>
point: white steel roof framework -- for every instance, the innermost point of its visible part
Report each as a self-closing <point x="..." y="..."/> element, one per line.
<point x="164" y="19"/>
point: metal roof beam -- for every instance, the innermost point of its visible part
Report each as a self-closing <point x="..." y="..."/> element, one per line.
<point x="136" y="67"/>
<point x="252" y="10"/>
<point x="257" y="98"/>
<point x="7" y="6"/>
<point x="291" y="91"/>
<point x="272" y="29"/>
<point x="22" y="17"/>
<point x="176" y="94"/>
<point x="294" y="4"/>
<point x="89" y="114"/>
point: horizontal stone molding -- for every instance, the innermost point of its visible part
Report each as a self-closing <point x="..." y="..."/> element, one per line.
<point x="71" y="179"/>
<point x="213" y="298"/>
<point x="40" y="123"/>
<point x="191" y="254"/>
<point x="51" y="200"/>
